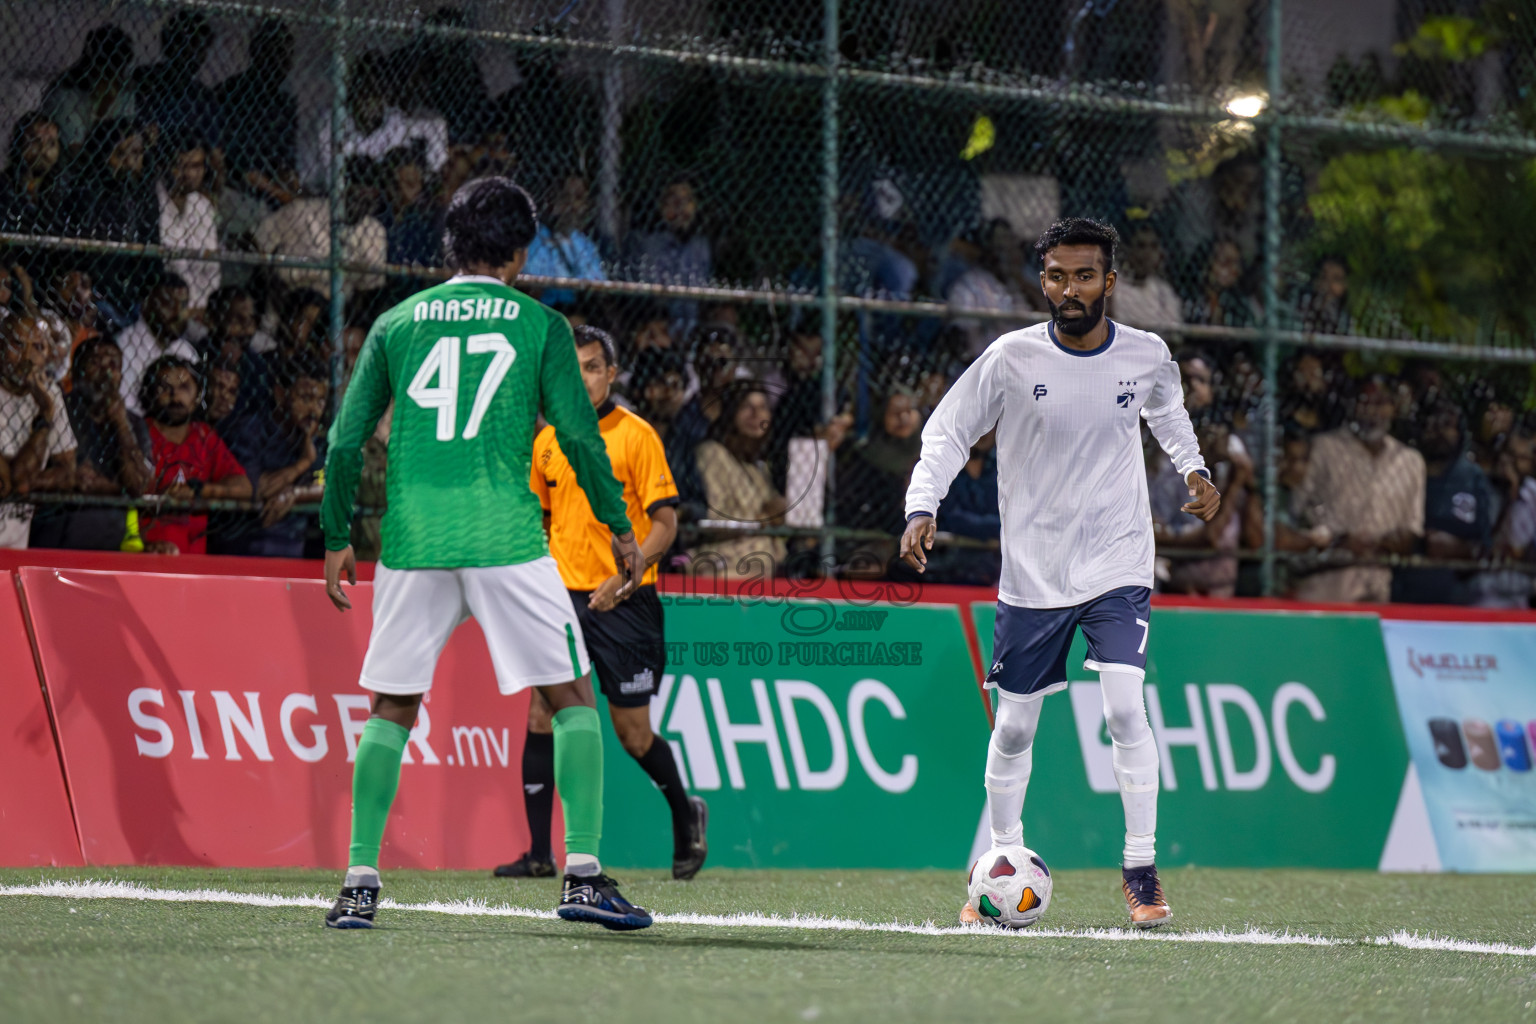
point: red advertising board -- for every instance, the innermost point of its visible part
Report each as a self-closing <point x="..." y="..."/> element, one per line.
<point x="35" y="824"/>
<point x="212" y="720"/>
<point x="177" y="565"/>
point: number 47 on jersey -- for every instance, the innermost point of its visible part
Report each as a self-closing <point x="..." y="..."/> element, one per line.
<point x="436" y="384"/>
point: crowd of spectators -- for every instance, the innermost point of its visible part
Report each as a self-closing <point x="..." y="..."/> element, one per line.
<point x="189" y="378"/>
<point x="1410" y="486"/>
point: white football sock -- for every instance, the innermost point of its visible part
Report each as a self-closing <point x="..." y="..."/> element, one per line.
<point x="361" y="876"/>
<point x="1010" y="758"/>
<point x="582" y="865"/>
<point x="1135" y="760"/>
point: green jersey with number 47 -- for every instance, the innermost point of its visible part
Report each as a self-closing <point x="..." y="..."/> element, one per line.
<point x="469" y="365"/>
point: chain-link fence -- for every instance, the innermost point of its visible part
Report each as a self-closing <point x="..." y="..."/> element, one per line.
<point x="830" y="204"/>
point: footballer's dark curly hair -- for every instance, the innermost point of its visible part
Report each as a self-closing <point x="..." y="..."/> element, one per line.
<point x="488" y="221"/>
<point x="586" y="335"/>
<point x="1081" y="231"/>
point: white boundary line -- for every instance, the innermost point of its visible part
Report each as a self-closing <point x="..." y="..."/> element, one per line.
<point x="478" y="908"/>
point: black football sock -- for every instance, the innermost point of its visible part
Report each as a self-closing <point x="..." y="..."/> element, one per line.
<point x="539" y="791"/>
<point x="662" y="768"/>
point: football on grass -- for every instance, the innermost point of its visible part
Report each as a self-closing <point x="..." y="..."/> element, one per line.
<point x="1010" y="886"/>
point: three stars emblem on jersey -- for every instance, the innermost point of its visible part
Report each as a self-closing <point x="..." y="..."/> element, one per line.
<point x="1125" y="398"/>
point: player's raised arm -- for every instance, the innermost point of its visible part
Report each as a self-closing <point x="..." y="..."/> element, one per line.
<point x="366" y="398"/>
<point x="1169" y="421"/>
<point x="969" y="409"/>
<point x="569" y="410"/>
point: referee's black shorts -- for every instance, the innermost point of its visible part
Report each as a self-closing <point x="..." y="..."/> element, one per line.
<point x="626" y="645"/>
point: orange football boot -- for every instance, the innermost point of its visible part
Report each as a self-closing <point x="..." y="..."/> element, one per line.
<point x="1144" y="897"/>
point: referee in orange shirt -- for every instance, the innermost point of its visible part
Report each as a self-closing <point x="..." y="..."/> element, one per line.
<point x="622" y="624"/>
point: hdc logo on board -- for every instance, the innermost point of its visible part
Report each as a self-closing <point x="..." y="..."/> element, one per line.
<point x="244" y="727"/>
<point x="681" y="702"/>
<point x="1271" y="733"/>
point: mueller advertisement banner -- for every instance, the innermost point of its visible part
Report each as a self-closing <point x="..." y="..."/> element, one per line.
<point x="823" y="734"/>
<point x="35" y="823"/>
<point x="1468" y="701"/>
<point x="1278" y="738"/>
<point x="211" y="720"/>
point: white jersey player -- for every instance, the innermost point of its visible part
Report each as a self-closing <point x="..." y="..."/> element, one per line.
<point x="1067" y="398"/>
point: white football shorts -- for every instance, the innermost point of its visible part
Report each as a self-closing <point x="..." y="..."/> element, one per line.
<point x="524" y="611"/>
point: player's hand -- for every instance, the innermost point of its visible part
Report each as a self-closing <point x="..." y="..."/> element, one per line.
<point x="610" y="593"/>
<point x="917" y="540"/>
<point x="337" y="563"/>
<point x="1207" y="499"/>
<point x="628" y="557"/>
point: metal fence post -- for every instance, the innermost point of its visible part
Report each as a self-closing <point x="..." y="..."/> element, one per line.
<point x="609" y="149"/>
<point x="1272" y="175"/>
<point x="338" y="192"/>
<point x="829" y="261"/>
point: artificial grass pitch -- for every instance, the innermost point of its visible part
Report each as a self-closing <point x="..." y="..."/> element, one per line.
<point x="64" y="958"/>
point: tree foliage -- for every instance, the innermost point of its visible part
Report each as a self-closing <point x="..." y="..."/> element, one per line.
<point x="1441" y="239"/>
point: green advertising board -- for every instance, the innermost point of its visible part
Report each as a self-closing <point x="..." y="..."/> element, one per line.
<point x="1279" y="741"/>
<point x="830" y="734"/>
<point x="822" y="735"/>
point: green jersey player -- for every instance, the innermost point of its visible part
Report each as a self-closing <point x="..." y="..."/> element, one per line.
<point x="469" y="364"/>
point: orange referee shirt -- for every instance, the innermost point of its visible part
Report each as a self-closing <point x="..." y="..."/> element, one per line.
<point x="577" y="540"/>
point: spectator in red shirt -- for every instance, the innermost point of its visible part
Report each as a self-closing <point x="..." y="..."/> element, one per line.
<point x="190" y="461"/>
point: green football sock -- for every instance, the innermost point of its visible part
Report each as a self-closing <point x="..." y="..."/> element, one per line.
<point x="375" y="777"/>
<point x="579" y="777"/>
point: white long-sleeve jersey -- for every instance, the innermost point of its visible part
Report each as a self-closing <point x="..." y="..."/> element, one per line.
<point x="1072" y="481"/>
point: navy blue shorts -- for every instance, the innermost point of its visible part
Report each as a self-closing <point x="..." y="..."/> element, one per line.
<point x="1030" y="644"/>
<point x="627" y="645"/>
